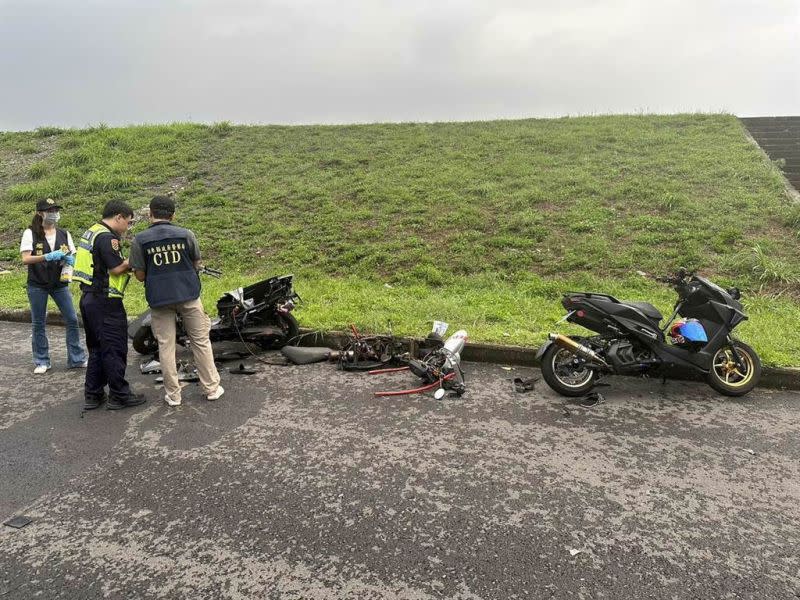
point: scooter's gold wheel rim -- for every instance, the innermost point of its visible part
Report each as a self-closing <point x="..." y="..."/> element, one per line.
<point x="560" y="358"/>
<point x="726" y="370"/>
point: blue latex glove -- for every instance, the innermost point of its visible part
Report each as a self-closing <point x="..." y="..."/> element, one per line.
<point x="54" y="255"/>
<point x="70" y="260"/>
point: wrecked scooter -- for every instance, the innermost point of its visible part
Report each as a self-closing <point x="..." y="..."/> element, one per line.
<point x="631" y="341"/>
<point x="440" y="368"/>
<point x="259" y="313"/>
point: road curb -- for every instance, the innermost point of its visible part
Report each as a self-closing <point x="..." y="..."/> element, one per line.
<point x="785" y="378"/>
<point x="771" y="377"/>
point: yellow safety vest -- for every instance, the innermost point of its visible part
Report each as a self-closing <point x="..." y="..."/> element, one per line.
<point x="84" y="264"/>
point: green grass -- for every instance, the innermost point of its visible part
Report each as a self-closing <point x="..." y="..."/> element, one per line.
<point x="481" y="224"/>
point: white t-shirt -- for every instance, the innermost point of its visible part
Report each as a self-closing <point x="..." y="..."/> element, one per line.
<point x="27" y="241"/>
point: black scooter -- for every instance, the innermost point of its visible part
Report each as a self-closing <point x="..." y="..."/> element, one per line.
<point x="259" y="313"/>
<point x="630" y="341"/>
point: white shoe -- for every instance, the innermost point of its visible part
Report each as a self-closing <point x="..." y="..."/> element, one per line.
<point x="170" y="401"/>
<point x="40" y="369"/>
<point x="217" y="394"/>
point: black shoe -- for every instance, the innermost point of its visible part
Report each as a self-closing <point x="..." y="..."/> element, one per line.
<point x="90" y="403"/>
<point x="120" y="403"/>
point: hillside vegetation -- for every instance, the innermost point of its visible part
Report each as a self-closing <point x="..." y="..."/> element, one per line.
<point x="480" y="224"/>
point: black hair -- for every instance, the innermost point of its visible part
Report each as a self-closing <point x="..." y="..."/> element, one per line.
<point x="117" y="207"/>
<point x="162" y="207"/>
<point x="36" y="225"/>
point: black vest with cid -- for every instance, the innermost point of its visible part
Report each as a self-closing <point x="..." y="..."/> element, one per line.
<point x="170" y="276"/>
<point x="46" y="274"/>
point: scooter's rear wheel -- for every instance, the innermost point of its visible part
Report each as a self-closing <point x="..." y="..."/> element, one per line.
<point x="290" y="328"/>
<point x="729" y="379"/>
<point x="144" y="342"/>
<point x="566" y="376"/>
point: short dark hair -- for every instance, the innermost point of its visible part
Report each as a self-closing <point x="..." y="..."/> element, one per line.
<point x="162" y="207"/>
<point x="117" y="207"/>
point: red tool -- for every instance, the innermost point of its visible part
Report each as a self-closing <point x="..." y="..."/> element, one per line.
<point x="418" y="390"/>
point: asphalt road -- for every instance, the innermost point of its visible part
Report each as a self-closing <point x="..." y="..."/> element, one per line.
<point x="300" y="484"/>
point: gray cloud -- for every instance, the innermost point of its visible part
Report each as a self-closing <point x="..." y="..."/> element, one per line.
<point x="128" y="61"/>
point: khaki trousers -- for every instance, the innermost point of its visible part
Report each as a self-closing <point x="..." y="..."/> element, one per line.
<point x="197" y="325"/>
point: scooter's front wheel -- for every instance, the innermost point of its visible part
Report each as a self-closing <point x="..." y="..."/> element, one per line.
<point x="565" y="374"/>
<point x="728" y="378"/>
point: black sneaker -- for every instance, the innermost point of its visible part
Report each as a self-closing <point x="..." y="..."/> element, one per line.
<point x="120" y="403"/>
<point x="90" y="403"/>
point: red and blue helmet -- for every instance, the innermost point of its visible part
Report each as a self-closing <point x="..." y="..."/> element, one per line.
<point x="688" y="330"/>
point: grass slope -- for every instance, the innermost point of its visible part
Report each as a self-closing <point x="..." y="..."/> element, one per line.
<point x="481" y="224"/>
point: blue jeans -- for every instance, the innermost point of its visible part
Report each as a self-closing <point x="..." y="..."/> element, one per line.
<point x="76" y="355"/>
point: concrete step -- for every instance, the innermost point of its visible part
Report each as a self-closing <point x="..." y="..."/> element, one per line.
<point x="779" y="137"/>
<point x="769" y="121"/>
<point x="773" y="138"/>
<point x="774" y="131"/>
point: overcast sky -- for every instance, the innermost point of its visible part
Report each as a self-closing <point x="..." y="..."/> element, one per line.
<point x="79" y="62"/>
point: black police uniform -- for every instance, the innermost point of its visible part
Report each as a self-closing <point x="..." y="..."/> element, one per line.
<point x="106" y="324"/>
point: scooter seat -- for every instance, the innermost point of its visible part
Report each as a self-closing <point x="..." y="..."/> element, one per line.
<point x="647" y="309"/>
<point x="304" y="355"/>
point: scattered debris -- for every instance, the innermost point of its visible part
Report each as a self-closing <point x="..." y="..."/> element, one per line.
<point x="18" y="522"/>
<point x="588" y="401"/>
<point x="507" y="368"/>
<point x="242" y="369"/>
<point x="750" y="451"/>
<point x="592" y="399"/>
<point x="439" y="368"/>
<point x="575" y="551"/>
<point x="524" y="385"/>
<point x="185" y="374"/>
<point x="366" y="353"/>
<point x="150" y="367"/>
<point x="439" y="328"/>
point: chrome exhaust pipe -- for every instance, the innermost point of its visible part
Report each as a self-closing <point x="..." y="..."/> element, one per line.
<point x="576" y="348"/>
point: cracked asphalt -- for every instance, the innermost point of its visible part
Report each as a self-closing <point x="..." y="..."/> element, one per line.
<point x="299" y="483"/>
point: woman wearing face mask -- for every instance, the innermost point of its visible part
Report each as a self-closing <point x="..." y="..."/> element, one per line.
<point x="46" y="248"/>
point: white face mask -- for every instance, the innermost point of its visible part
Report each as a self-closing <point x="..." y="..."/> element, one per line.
<point x="52" y="217"/>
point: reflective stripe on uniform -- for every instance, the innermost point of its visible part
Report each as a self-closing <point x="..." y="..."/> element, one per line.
<point x="84" y="264"/>
<point x="117" y="285"/>
<point x="81" y="277"/>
